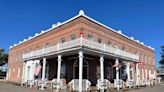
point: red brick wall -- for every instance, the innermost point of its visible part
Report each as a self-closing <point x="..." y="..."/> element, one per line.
<point x="75" y="27"/>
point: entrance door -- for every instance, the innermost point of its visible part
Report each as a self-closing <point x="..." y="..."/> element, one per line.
<point x="76" y="70"/>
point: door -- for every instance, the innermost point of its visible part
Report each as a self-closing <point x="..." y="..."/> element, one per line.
<point x="76" y="70"/>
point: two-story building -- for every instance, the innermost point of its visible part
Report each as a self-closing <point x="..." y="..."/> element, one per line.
<point x="80" y="48"/>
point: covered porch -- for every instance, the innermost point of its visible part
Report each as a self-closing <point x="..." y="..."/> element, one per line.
<point x="81" y="61"/>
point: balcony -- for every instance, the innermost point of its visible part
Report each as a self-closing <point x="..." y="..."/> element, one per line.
<point x="80" y="43"/>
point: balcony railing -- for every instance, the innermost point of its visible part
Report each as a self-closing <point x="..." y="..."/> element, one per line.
<point x="81" y="42"/>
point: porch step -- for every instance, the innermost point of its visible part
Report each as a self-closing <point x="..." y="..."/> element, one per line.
<point x="94" y="89"/>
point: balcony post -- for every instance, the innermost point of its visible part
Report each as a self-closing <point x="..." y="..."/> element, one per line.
<point x="59" y="69"/>
<point x="117" y="73"/>
<point x="104" y="47"/>
<point x="43" y="73"/>
<point x="58" y="46"/>
<point x="80" y="70"/>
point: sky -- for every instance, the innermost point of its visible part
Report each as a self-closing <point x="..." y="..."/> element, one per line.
<point x="142" y="19"/>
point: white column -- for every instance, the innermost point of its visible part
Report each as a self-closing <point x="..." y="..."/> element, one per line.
<point x="137" y="75"/>
<point x="102" y="68"/>
<point x="59" y="69"/>
<point x="128" y="71"/>
<point x="33" y="67"/>
<point x="80" y="70"/>
<point x="26" y="71"/>
<point x="43" y="72"/>
<point x="117" y="72"/>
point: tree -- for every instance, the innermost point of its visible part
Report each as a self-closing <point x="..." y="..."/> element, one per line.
<point x="162" y="57"/>
<point x="3" y="56"/>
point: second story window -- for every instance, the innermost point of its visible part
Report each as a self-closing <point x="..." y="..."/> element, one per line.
<point x="109" y="43"/>
<point x="62" y="40"/>
<point x="148" y="60"/>
<point x="30" y="50"/>
<point x="123" y="48"/>
<point x="72" y="37"/>
<point x="99" y="40"/>
<point x="47" y="45"/>
<point x="145" y="58"/>
<point x="90" y="37"/>
<point x="37" y="47"/>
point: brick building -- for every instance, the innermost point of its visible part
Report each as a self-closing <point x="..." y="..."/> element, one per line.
<point x="80" y="48"/>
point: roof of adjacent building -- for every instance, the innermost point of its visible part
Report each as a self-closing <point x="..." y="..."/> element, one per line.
<point x="81" y="13"/>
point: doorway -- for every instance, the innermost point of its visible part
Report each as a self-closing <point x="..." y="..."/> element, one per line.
<point x="85" y="70"/>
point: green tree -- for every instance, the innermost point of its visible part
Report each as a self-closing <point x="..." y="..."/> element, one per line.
<point x="3" y="56"/>
<point x="162" y="57"/>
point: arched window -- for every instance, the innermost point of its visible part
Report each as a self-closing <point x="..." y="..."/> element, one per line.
<point x="109" y="43"/>
<point x="62" y="40"/>
<point x="47" y="45"/>
<point x="90" y="37"/>
<point x="72" y="37"/>
<point x="145" y="58"/>
<point x="99" y="40"/>
<point x="76" y="70"/>
<point x="123" y="48"/>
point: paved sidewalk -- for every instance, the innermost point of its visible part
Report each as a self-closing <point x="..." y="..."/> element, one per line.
<point x="5" y="87"/>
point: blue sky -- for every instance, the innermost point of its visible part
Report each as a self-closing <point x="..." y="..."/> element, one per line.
<point x="142" y="19"/>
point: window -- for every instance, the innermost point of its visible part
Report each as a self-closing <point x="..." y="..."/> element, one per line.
<point x="99" y="40"/>
<point x="148" y="60"/>
<point x="123" y="48"/>
<point x="136" y="53"/>
<point x="20" y="56"/>
<point x="109" y="43"/>
<point x="90" y="37"/>
<point x="62" y="40"/>
<point x="115" y="46"/>
<point x="72" y="37"/>
<point x="30" y="50"/>
<point x="141" y="56"/>
<point x="37" y="47"/>
<point x="47" y="45"/>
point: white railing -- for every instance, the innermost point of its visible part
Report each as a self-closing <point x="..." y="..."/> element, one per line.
<point x="74" y="85"/>
<point x="103" y="84"/>
<point x="78" y="43"/>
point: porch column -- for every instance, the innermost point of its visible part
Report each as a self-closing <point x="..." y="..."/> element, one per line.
<point x="80" y="70"/>
<point x="59" y="70"/>
<point x="43" y="73"/>
<point x="102" y="67"/>
<point x="128" y="71"/>
<point x="117" y="72"/>
<point x="137" y="75"/>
